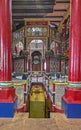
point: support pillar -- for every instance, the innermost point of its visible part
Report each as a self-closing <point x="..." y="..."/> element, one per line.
<point x="47" y="64"/>
<point x="25" y="93"/>
<point x="25" y="64"/>
<point x="43" y="65"/>
<point x="53" y="95"/>
<point x="71" y="100"/>
<point x="28" y="64"/>
<point x="59" y="65"/>
<point x="5" y="37"/>
<point x="7" y="92"/>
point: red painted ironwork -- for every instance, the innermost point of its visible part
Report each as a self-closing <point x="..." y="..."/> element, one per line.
<point x="71" y="100"/>
<point x="24" y="87"/>
<point x="53" y="88"/>
<point x="7" y="94"/>
<point x="5" y="38"/>
<point x="75" y="42"/>
<point x="73" y="94"/>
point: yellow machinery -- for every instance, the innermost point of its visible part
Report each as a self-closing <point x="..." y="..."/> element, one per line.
<point x="37" y="102"/>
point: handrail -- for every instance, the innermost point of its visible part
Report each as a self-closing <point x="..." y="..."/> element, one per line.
<point x="55" y="82"/>
<point x="20" y="82"/>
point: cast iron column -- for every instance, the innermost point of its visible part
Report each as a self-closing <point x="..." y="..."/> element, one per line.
<point x="75" y="42"/>
<point x="25" y="64"/>
<point x="7" y="91"/>
<point x="71" y="100"/>
<point x="5" y="40"/>
<point x="48" y="63"/>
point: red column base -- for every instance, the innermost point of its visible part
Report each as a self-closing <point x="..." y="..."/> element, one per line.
<point x="7" y="94"/>
<point x="71" y="102"/>
<point x="73" y="94"/>
<point x="7" y="97"/>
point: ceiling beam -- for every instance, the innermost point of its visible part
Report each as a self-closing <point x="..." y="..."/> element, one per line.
<point x="61" y="10"/>
<point x="65" y="17"/>
<point x="57" y="21"/>
<point x="53" y="16"/>
<point x="32" y="11"/>
<point x="27" y="14"/>
<point x="63" y="2"/>
<point x="33" y="2"/>
<point x="32" y="7"/>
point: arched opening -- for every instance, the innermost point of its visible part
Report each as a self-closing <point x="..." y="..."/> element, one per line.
<point x="36" y="61"/>
<point x="36" y="55"/>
